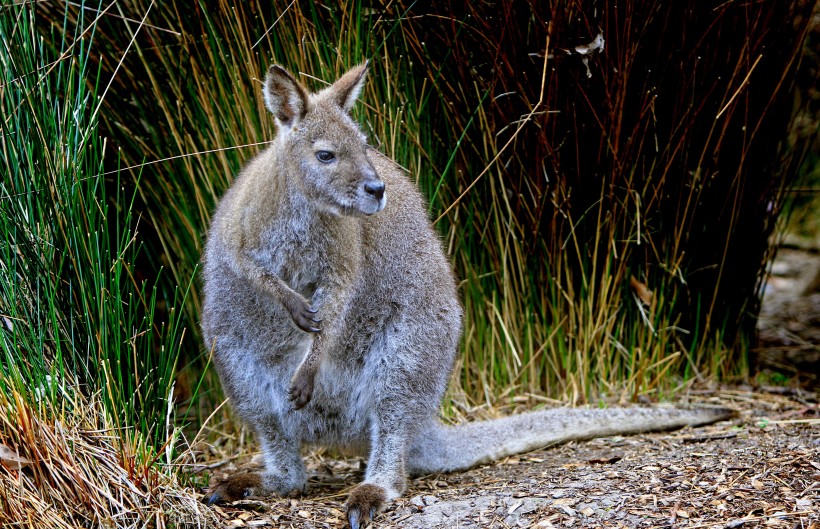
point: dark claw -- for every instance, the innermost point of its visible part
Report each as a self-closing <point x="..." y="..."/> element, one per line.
<point x="213" y="499"/>
<point x="307" y="327"/>
<point x="312" y="310"/>
<point x="353" y="519"/>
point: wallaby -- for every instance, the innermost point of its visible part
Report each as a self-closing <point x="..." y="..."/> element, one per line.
<point x="322" y="225"/>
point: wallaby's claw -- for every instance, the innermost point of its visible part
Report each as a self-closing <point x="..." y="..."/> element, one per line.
<point x="364" y="503"/>
<point x="352" y="518"/>
<point x="236" y="487"/>
<point x="301" y="388"/>
<point x="213" y="499"/>
<point x="303" y="315"/>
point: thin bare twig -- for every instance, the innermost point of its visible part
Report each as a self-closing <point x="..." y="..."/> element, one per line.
<point x="95" y="10"/>
<point x="273" y="25"/>
<point x="739" y="88"/>
<point x="523" y="122"/>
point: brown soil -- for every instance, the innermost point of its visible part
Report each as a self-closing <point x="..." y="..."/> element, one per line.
<point x="759" y="470"/>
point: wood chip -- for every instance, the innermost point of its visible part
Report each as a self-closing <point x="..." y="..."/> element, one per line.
<point x="604" y="461"/>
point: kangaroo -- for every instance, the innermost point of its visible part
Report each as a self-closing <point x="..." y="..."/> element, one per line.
<point x="322" y="227"/>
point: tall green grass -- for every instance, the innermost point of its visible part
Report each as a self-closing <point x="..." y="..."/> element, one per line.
<point x="88" y="345"/>
<point x="593" y="191"/>
<point x="191" y="101"/>
<point x="560" y="197"/>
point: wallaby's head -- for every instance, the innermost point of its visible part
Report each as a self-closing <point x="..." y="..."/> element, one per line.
<point x="320" y="146"/>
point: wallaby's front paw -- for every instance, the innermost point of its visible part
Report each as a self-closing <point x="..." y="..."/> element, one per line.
<point x="301" y="387"/>
<point x="302" y="314"/>
<point x="236" y="487"/>
<point x="364" y="503"/>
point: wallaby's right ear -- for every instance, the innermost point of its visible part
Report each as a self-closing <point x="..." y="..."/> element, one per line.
<point x="286" y="99"/>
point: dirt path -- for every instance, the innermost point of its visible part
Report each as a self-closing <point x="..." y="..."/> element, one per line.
<point x="789" y="322"/>
<point x="759" y="470"/>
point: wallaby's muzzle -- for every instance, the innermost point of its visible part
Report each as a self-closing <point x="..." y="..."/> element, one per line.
<point x="371" y="197"/>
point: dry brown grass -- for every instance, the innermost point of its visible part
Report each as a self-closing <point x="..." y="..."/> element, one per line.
<point x="84" y="471"/>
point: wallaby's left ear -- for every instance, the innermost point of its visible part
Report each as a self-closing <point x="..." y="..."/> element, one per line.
<point x="346" y="90"/>
<point x="286" y="99"/>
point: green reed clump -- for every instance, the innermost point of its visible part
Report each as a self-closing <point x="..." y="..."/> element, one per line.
<point x="187" y="109"/>
<point x="88" y="347"/>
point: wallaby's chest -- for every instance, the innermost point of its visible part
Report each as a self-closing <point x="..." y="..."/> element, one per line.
<point x="306" y="252"/>
<point x="298" y="259"/>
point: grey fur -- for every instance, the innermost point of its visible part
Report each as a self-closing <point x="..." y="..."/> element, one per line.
<point x="295" y="230"/>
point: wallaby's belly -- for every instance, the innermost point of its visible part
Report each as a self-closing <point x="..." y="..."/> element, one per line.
<point x="339" y="413"/>
<point x="256" y="351"/>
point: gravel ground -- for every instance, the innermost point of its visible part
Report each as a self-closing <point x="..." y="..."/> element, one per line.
<point x="761" y="469"/>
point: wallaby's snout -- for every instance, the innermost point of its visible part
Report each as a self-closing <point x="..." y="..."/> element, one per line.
<point x="372" y="199"/>
<point x="375" y="189"/>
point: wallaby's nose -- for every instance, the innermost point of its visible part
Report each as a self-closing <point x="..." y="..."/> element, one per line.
<point x="374" y="189"/>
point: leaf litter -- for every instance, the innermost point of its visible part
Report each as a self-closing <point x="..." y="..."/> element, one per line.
<point x="761" y="469"/>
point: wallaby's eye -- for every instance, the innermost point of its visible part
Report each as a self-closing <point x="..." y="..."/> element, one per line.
<point x="325" y="156"/>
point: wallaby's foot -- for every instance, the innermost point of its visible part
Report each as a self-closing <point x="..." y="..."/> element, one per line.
<point x="364" y="503"/>
<point x="251" y="484"/>
<point x="301" y="386"/>
<point x="236" y="487"/>
<point x="302" y="314"/>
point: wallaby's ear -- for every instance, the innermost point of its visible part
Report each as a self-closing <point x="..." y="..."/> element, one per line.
<point x="286" y="99"/>
<point x="346" y="90"/>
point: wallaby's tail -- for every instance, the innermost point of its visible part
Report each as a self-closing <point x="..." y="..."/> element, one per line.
<point x="442" y="448"/>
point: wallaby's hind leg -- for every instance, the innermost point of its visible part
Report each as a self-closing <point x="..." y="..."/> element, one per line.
<point x="386" y="477"/>
<point x="284" y="469"/>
